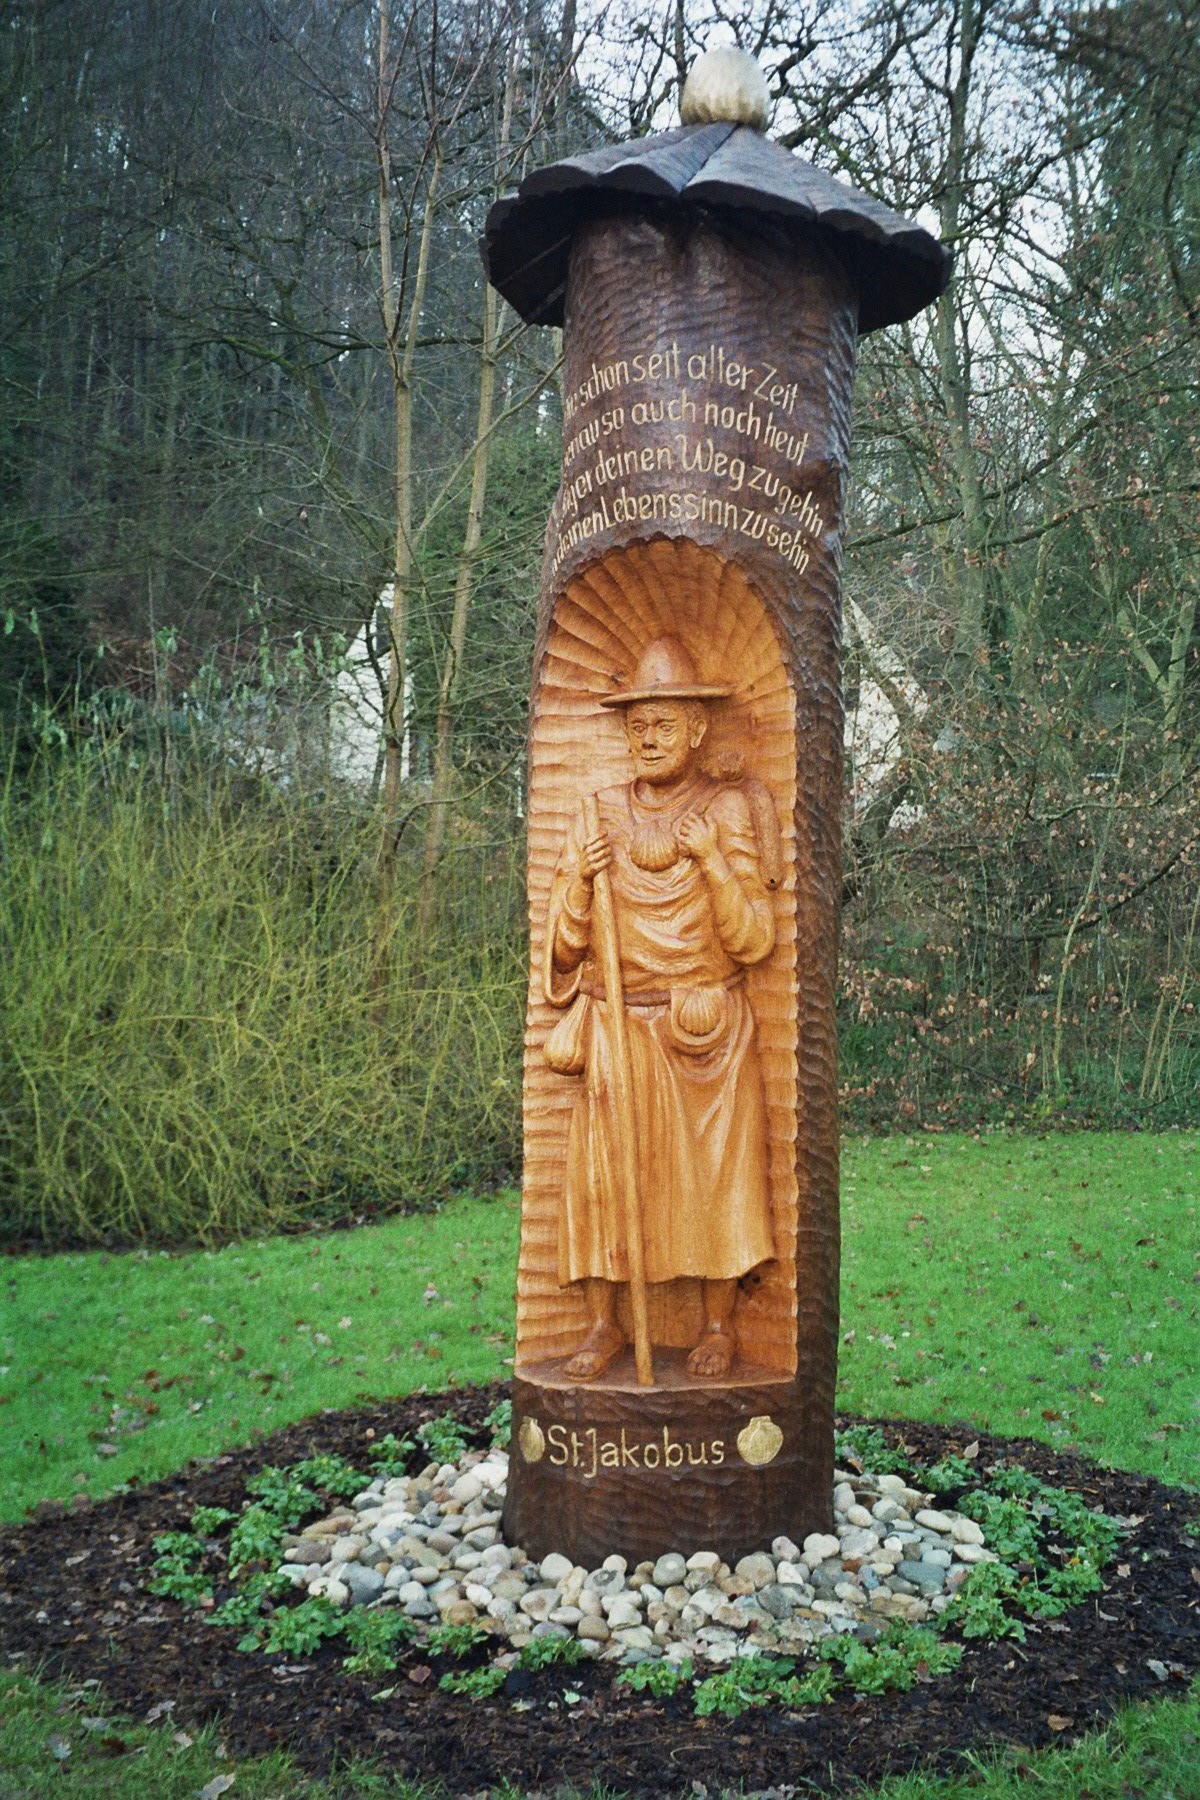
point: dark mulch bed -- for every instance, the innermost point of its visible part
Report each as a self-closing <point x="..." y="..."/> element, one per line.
<point x="93" y="1619"/>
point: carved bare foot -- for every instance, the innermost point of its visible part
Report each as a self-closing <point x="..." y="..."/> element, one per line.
<point x="602" y="1346"/>
<point x="713" y="1355"/>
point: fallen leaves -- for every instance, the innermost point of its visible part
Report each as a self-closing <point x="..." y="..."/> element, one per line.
<point x="212" y="1790"/>
<point x="1163" y="1671"/>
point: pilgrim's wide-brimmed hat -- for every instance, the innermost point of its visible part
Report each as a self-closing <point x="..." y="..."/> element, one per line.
<point x="665" y="671"/>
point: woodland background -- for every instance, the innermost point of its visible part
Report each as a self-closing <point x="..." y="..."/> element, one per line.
<point x="253" y="381"/>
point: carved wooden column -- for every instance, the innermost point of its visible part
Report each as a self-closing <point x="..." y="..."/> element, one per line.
<point x="711" y="288"/>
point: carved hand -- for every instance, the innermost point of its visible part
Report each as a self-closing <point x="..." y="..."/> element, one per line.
<point x="695" y="836"/>
<point x="595" y="855"/>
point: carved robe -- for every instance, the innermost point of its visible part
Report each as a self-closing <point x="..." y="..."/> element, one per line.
<point x="701" y="1129"/>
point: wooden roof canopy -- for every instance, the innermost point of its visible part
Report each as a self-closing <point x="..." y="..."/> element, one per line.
<point x="719" y="168"/>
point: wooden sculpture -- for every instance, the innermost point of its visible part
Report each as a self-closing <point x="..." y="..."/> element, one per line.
<point x="677" y="1289"/>
<point x="671" y="1113"/>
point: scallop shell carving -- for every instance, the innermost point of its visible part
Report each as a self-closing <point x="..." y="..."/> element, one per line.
<point x="760" y="1441"/>
<point x="532" y="1441"/>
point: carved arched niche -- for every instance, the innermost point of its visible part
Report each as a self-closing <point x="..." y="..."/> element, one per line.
<point x="602" y="622"/>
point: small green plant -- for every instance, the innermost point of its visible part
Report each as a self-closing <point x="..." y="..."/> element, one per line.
<point x="283" y="1498"/>
<point x="861" y="1667"/>
<point x="499" y="1423"/>
<point x="257" y="1537"/>
<point x="175" y="1575"/>
<point x="1008" y="1526"/>
<point x="1057" y="1541"/>
<point x="754" y="1681"/>
<point x="1048" y="1594"/>
<point x="928" y="1653"/>
<point x="329" y="1474"/>
<point x="953" y="1475"/>
<point x="476" y="1684"/>
<point x="867" y="1446"/>
<point x="390" y="1454"/>
<point x="208" y="1520"/>
<point x="662" y="1680"/>
<point x="279" y="1491"/>
<point x="1094" y="1536"/>
<point x="895" y="1664"/>
<point x="298" y="1630"/>
<point x="375" y="1636"/>
<point x="455" y="1640"/>
<point x="980" y="1607"/>
<point x="242" y="1610"/>
<point x="443" y="1438"/>
<point x="1016" y="1483"/>
<point x="546" y="1652"/>
<point x="811" y="1689"/>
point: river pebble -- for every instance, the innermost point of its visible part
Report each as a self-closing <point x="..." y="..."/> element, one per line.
<point x="432" y="1545"/>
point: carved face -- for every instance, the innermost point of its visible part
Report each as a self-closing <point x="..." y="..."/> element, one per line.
<point x="663" y="738"/>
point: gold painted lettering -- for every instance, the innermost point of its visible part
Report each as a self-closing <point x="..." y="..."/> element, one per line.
<point x="556" y="1437"/>
<point x="760" y="392"/>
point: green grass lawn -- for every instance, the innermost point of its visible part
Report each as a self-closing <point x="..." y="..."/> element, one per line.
<point x="1042" y="1286"/>
<point x="120" y="1366"/>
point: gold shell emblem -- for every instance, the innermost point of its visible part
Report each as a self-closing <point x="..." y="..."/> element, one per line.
<point x="759" y="1442"/>
<point x="532" y="1440"/>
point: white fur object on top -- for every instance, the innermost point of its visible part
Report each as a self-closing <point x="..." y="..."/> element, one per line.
<point x="725" y="86"/>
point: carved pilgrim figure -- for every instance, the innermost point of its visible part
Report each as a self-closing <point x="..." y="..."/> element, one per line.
<point x="690" y="913"/>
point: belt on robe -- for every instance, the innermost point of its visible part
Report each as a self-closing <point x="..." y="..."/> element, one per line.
<point x="650" y="1001"/>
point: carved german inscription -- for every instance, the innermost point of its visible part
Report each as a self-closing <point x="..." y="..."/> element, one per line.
<point x="687" y="435"/>
<point x="592" y="1449"/>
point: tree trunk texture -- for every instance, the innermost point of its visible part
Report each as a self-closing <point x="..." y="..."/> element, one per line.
<point x="701" y="497"/>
